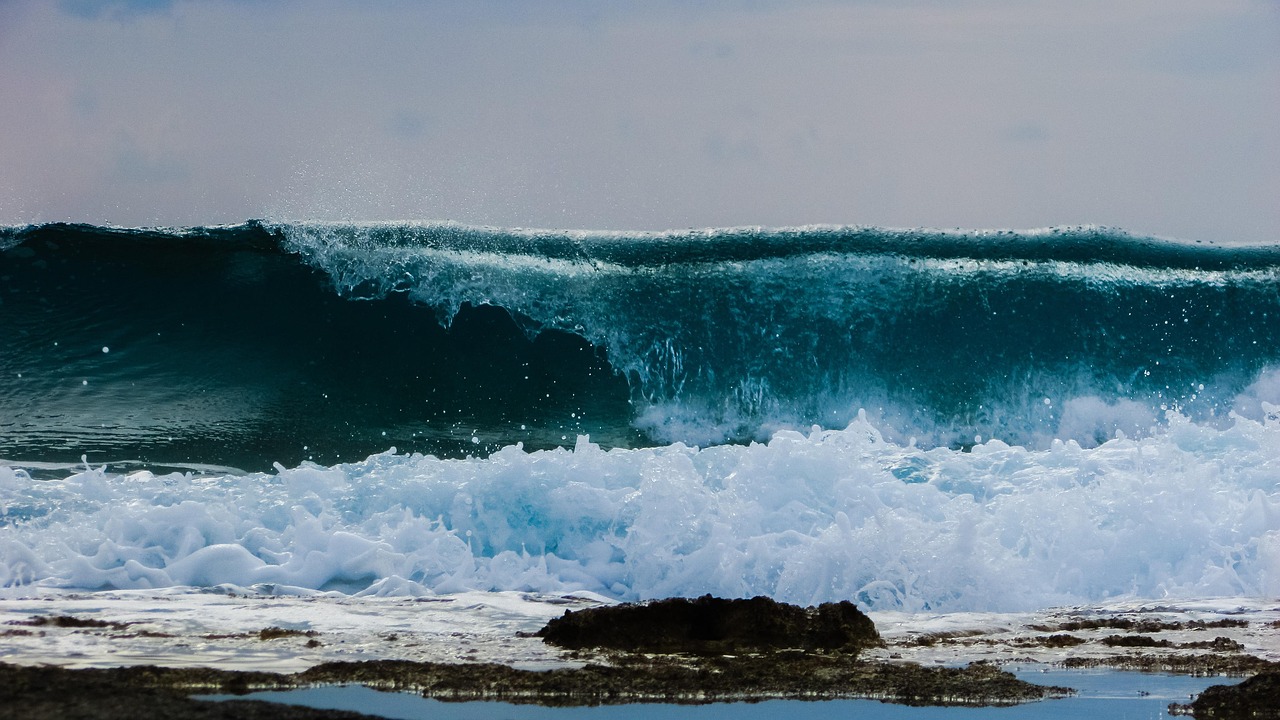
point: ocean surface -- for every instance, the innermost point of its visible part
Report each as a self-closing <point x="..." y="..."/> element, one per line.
<point x="917" y="420"/>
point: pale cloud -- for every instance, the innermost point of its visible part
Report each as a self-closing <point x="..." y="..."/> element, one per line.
<point x="1159" y="116"/>
<point x="1025" y="132"/>
<point x="114" y="9"/>
<point x="1234" y="42"/>
<point x="134" y="164"/>
<point x="409" y="124"/>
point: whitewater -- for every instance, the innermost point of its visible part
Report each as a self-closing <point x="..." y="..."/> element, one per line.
<point x="805" y="518"/>
<point x="919" y="421"/>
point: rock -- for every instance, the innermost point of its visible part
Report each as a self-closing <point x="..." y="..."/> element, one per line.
<point x="711" y="625"/>
<point x="140" y="693"/>
<point x="1257" y="698"/>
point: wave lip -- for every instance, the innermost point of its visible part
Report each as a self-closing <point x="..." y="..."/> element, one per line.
<point x="1079" y="243"/>
<point x="1069" y="244"/>
<point x="952" y="334"/>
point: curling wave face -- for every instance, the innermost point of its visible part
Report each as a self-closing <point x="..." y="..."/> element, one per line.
<point x="248" y="344"/>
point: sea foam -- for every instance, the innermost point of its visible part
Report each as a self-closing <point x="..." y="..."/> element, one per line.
<point x="1190" y="511"/>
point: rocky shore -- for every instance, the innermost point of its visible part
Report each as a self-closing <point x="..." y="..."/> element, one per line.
<point x="1257" y="698"/>
<point x="678" y="650"/>
<point x="681" y="651"/>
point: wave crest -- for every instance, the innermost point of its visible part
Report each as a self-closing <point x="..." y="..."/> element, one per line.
<point x="718" y="335"/>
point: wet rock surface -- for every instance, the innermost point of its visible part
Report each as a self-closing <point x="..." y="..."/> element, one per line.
<point x="1229" y="663"/>
<point x="701" y="680"/>
<point x="1257" y="698"/>
<point x="673" y="651"/>
<point x="144" y="692"/>
<point x="136" y="693"/>
<point x="708" y="625"/>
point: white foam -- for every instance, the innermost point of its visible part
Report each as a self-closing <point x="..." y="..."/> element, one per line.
<point x="1191" y="511"/>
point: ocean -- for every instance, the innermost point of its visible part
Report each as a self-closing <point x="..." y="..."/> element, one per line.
<point x="916" y="420"/>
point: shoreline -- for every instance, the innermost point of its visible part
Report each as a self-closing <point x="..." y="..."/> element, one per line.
<point x="159" y="647"/>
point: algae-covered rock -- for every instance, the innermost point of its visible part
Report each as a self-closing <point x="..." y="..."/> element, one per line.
<point x="1257" y="698"/>
<point x="709" y="625"/>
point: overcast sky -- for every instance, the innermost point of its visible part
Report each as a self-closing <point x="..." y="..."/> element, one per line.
<point x="1160" y="116"/>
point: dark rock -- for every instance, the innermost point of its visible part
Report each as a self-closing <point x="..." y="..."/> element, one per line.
<point x="149" y="692"/>
<point x="1141" y="625"/>
<point x="1200" y="664"/>
<point x="68" y="621"/>
<point x="1060" y="640"/>
<point x="683" y="651"/>
<point x="1134" y="641"/>
<point x="1257" y="698"/>
<point x="1221" y="644"/>
<point x="141" y="693"/>
<point x="275" y="633"/>
<point x="700" y="679"/>
<point x="710" y="625"/>
<point x="1223" y="623"/>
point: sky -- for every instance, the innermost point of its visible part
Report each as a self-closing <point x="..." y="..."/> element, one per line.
<point x="1158" y="116"/>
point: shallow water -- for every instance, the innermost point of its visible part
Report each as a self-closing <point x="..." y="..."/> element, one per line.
<point x="1103" y="695"/>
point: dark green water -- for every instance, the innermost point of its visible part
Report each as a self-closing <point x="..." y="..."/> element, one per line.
<point x="262" y="343"/>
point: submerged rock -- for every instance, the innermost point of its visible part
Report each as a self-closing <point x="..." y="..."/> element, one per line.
<point x="711" y="625"/>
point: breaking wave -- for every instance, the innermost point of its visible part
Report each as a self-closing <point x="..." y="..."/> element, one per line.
<point x="267" y="342"/>
<point x="913" y="419"/>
